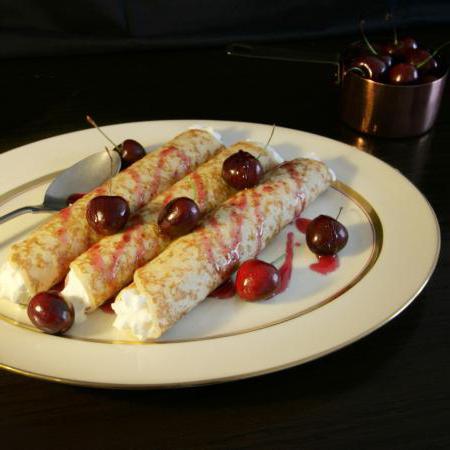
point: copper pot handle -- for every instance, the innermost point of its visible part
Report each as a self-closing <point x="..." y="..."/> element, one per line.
<point x="283" y="54"/>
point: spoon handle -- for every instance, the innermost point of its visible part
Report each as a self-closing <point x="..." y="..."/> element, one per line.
<point x="23" y="210"/>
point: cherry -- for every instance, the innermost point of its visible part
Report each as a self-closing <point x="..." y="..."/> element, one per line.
<point x="388" y="48"/>
<point x="257" y="280"/>
<point x="428" y="78"/>
<point x="130" y="152"/>
<point x="369" y="66"/>
<point x="49" y="312"/>
<point x="107" y="214"/>
<point x="403" y="73"/>
<point x="72" y="198"/>
<point x="179" y="217"/>
<point x="242" y="170"/>
<point x="407" y="42"/>
<point x="387" y="59"/>
<point x="417" y="56"/>
<point x="326" y="236"/>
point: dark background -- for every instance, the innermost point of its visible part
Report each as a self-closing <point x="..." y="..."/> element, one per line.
<point x="390" y="390"/>
<point x="49" y="27"/>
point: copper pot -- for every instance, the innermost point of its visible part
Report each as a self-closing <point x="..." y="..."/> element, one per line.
<point x="370" y="107"/>
<point x="390" y="111"/>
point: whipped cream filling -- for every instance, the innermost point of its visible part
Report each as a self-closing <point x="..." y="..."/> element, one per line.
<point x="75" y="293"/>
<point x="215" y="134"/>
<point x="133" y="313"/>
<point x="271" y="150"/>
<point x="12" y="284"/>
<point x="312" y="155"/>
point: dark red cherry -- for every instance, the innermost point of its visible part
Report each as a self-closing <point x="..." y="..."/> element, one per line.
<point x="49" y="312"/>
<point x="407" y="43"/>
<point x="370" y="67"/>
<point x="72" y="198"/>
<point x="326" y="236"/>
<point x="242" y="170"/>
<point x="387" y="59"/>
<point x="428" y="78"/>
<point x="417" y="56"/>
<point x="180" y="216"/>
<point x="403" y="73"/>
<point x="257" y="280"/>
<point x="107" y="214"/>
<point x="387" y="48"/>
<point x="130" y="152"/>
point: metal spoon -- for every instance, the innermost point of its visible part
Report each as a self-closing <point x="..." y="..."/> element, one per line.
<point x="83" y="176"/>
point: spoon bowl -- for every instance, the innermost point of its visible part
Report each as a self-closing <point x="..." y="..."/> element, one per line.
<point x="83" y="176"/>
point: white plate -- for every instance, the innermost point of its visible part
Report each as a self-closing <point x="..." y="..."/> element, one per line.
<point x="392" y="251"/>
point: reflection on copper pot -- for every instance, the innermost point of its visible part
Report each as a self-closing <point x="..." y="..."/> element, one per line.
<point x="390" y="111"/>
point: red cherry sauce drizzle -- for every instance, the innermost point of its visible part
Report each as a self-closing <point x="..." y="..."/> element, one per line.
<point x="286" y="269"/>
<point x="59" y="286"/>
<point x="199" y="190"/>
<point x="256" y="197"/>
<point x="298" y="179"/>
<point x="97" y="258"/>
<point x="325" y="264"/>
<point x="139" y="188"/>
<point x="302" y="224"/>
<point x="225" y="290"/>
<point x="107" y="306"/>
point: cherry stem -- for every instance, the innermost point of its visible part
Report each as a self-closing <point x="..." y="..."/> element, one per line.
<point x="276" y="261"/>
<point x="425" y="61"/>
<point x="339" y="213"/>
<point x="357" y="70"/>
<point x="92" y="122"/>
<point x="366" y="41"/>
<point x="271" y="136"/>
<point x="390" y="17"/>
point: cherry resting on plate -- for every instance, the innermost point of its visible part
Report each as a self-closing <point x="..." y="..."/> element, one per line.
<point x="129" y="150"/>
<point x="257" y="280"/>
<point x="49" y="312"/>
<point x="326" y="236"/>
<point x="107" y="214"/>
<point x="178" y="217"/>
<point x="242" y="170"/>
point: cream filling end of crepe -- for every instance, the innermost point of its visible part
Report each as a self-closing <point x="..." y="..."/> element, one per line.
<point x="133" y="313"/>
<point x="215" y="134"/>
<point x="12" y="284"/>
<point x="75" y="293"/>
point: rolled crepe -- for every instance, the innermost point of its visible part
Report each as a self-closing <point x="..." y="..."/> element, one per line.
<point x="108" y="266"/>
<point x="182" y="276"/>
<point x="43" y="258"/>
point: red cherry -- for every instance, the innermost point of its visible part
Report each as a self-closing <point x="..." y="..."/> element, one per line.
<point x="179" y="217"/>
<point x="257" y="280"/>
<point x="387" y="48"/>
<point x="130" y="152"/>
<point x="372" y="67"/>
<point x="403" y="73"/>
<point x="326" y="236"/>
<point x="418" y="56"/>
<point x="107" y="214"/>
<point x="428" y="78"/>
<point x="72" y="198"/>
<point x="242" y="170"/>
<point x="407" y="43"/>
<point x="49" y="312"/>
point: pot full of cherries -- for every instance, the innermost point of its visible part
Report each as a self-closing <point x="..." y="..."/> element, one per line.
<point x="392" y="88"/>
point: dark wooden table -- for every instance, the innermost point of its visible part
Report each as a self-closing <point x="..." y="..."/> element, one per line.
<point x="390" y="390"/>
